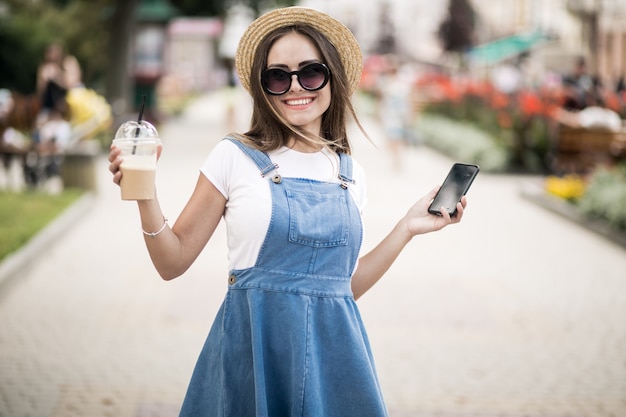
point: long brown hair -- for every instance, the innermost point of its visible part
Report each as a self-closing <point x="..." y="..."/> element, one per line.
<point x="269" y="130"/>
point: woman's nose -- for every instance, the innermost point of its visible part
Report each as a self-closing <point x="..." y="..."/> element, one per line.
<point x="295" y="83"/>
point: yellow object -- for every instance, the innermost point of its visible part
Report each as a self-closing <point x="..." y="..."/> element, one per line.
<point x="569" y="187"/>
<point x="89" y="112"/>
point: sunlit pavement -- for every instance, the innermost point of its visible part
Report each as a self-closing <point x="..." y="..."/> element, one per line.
<point x="514" y="312"/>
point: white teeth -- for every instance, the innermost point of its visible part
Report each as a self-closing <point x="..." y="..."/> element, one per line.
<point x="300" y="102"/>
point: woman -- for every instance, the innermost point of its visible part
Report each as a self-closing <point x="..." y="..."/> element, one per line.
<point x="58" y="73"/>
<point x="288" y="339"/>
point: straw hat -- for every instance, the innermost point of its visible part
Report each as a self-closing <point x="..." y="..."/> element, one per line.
<point x="336" y="32"/>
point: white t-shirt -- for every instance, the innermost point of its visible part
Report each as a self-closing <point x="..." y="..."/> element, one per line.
<point x="248" y="195"/>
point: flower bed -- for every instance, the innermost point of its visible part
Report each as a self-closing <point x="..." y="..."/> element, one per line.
<point x="597" y="201"/>
<point x="525" y="123"/>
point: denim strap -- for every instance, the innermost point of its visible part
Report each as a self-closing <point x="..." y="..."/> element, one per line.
<point x="261" y="159"/>
<point x="345" y="169"/>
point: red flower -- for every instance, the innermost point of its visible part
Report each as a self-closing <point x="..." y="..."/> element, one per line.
<point x="451" y="91"/>
<point x="530" y="103"/>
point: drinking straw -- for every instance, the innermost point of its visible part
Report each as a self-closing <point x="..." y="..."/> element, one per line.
<point x="137" y="130"/>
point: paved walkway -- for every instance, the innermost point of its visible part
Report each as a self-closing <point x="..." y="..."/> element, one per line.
<point x="515" y="312"/>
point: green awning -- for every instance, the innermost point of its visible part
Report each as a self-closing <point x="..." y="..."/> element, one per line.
<point x="155" y="11"/>
<point x="509" y="47"/>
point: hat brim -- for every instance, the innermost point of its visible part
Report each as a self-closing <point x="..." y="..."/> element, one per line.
<point x="337" y="33"/>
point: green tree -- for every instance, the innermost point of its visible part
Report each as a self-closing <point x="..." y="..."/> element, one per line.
<point x="120" y="25"/>
<point x="97" y="32"/>
<point x="26" y="28"/>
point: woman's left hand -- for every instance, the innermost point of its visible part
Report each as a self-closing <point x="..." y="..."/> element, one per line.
<point x="419" y="221"/>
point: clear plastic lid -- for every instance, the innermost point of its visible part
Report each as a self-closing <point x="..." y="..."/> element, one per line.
<point x="135" y="131"/>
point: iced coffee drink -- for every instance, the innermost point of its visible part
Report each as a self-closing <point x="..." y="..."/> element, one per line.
<point x="138" y="143"/>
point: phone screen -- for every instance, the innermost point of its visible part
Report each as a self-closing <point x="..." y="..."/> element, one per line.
<point x="453" y="188"/>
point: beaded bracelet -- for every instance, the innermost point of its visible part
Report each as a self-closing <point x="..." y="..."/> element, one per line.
<point x="154" y="234"/>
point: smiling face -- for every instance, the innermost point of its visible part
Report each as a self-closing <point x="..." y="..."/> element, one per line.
<point x="298" y="106"/>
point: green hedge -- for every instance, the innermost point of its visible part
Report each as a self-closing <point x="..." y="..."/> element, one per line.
<point x="463" y="141"/>
<point x="605" y="197"/>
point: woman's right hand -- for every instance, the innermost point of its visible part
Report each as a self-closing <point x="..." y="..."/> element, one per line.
<point x="115" y="159"/>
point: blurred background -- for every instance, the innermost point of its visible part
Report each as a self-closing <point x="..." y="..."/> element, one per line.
<point x="516" y="312"/>
<point x="533" y="80"/>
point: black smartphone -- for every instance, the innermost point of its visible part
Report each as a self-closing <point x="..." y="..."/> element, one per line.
<point x="453" y="188"/>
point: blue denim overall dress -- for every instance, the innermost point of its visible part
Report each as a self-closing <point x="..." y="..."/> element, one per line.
<point x="288" y="339"/>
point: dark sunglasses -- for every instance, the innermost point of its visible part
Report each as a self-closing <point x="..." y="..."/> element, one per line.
<point x="312" y="77"/>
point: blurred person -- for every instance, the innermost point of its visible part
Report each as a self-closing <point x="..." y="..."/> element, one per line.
<point x="620" y="96"/>
<point x="578" y="87"/>
<point x="58" y="74"/>
<point x="620" y="85"/>
<point x="47" y="157"/>
<point x="73" y="72"/>
<point x="395" y="109"/>
<point x="11" y="143"/>
<point x="288" y="339"/>
<point x="52" y="83"/>
<point x="231" y="98"/>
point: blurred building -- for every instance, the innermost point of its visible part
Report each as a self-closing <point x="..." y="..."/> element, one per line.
<point x="554" y="33"/>
<point x="611" y="55"/>
<point x="199" y="51"/>
<point x="414" y="23"/>
<point x="569" y="29"/>
<point x="191" y="53"/>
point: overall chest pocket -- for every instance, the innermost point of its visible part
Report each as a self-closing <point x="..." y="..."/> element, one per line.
<point x="318" y="219"/>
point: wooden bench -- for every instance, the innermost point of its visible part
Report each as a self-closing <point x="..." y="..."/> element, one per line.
<point x="579" y="150"/>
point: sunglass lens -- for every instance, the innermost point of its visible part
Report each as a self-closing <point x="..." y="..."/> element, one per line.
<point x="312" y="76"/>
<point x="276" y="80"/>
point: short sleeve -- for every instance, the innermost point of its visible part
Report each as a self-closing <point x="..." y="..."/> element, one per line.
<point x="220" y="164"/>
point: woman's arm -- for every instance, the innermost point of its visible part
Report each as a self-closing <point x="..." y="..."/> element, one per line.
<point x="174" y="249"/>
<point x="417" y="221"/>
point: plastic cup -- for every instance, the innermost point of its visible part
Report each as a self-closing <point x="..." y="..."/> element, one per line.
<point x="138" y="142"/>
